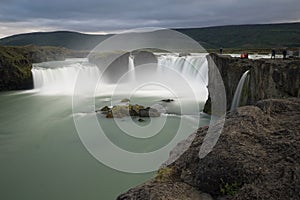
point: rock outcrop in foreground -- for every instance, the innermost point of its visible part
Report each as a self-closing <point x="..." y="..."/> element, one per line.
<point x="256" y="157"/>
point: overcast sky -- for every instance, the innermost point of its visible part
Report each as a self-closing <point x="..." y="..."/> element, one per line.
<point x="111" y="16"/>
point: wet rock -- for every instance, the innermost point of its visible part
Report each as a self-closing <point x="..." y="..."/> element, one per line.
<point x="109" y="114"/>
<point x="113" y="64"/>
<point x="125" y="100"/>
<point x="184" y="54"/>
<point x="149" y="112"/>
<point x="167" y="100"/>
<point x="120" y="111"/>
<point x="144" y="57"/>
<point x="105" y="109"/>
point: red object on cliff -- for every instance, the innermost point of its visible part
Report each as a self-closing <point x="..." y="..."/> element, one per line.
<point x="244" y="55"/>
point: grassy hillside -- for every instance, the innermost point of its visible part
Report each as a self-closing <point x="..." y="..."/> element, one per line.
<point x="247" y="36"/>
<point x="239" y="36"/>
<point x="67" y="39"/>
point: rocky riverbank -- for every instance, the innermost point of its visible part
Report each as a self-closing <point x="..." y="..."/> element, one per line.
<point x="256" y="157"/>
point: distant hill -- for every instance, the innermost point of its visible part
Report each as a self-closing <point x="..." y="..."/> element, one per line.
<point x="236" y="36"/>
<point x="67" y="39"/>
<point x="247" y="36"/>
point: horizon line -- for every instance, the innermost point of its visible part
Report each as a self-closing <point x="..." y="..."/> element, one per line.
<point x="104" y="33"/>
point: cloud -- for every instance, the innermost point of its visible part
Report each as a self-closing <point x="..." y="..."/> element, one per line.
<point x="18" y="16"/>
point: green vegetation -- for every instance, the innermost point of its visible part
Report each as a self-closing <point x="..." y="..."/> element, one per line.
<point x="229" y="189"/>
<point x="165" y="174"/>
<point x="70" y="40"/>
<point x="16" y="64"/>
<point x="258" y="38"/>
<point x="247" y="36"/>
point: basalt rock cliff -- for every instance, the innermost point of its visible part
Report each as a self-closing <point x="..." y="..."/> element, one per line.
<point x="268" y="78"/>
<point x="256" y="157"/>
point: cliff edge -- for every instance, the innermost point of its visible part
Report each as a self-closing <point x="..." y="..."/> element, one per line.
<point x="268" y="78"/>
<point x="256" y="157"/>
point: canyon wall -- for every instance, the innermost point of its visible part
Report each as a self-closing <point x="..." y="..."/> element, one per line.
<point x="267" y="78"/>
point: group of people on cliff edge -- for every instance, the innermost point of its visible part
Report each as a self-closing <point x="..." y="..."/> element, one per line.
<point x="284" y="54"/>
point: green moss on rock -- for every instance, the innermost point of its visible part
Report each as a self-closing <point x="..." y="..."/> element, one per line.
<point x="16" y="64"/>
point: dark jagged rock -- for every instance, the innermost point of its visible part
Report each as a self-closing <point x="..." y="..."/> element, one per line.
<point x="274" y="79"/>
<point x="256" y="157"/>
<point x="120" y="111"/>
<point x="105" y="108"/>
<point x="16" y="64"/>
<point x="268" y="78"/>
<point x="162" y="191"/>
<point x="125" y="100"/>
<point x="149" y="112"/>
<point x="113" y="64"/>
<point x="167" y="100"/>
<point x="184" y="54"/>
<point x="141" y="120"/>
<point x="144" y="57"/>
<point x="231" y="70"/>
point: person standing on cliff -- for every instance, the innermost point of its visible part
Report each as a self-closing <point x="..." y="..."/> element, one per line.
<point x="221" y="50"/>
<point x="273" y="53"/>
<point x="284" y="53"/>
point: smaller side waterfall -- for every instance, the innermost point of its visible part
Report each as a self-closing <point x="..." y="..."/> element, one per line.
<point x="131" y="67"/>
<point x="238" y="92"/>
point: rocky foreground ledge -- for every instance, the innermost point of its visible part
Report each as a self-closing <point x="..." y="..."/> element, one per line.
<point x="256" y="157"/>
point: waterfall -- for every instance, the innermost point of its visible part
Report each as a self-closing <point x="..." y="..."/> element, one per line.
<point x="193" y="67"/>
<point x="131" y="67"/>
<point x="238" y="92"/>
<point x="61" y="76"/>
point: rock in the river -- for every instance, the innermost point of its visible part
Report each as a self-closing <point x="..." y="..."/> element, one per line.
<point x="105" y="109"/>
<point x="256" y="157"/>
<point x="149" y="112"/>
<point x="109" y="114"/>
<point x="141" y="120"/>
<point x="167" y="100"/>
<point x="120" y="111"/>
<point x="125" y="100"/>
